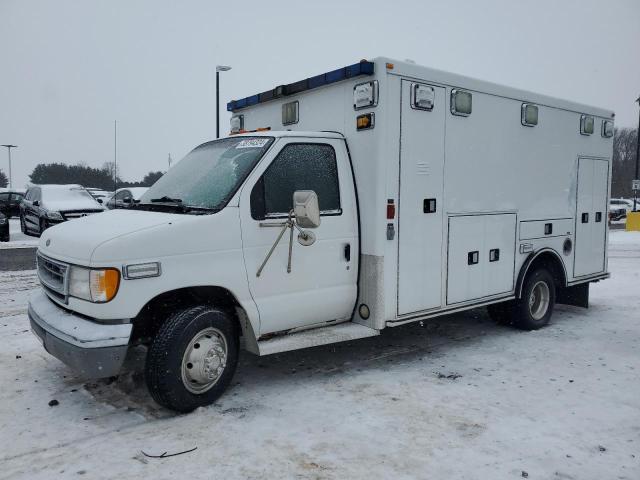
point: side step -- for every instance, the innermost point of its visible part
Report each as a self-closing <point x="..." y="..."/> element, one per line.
<point x="315" y="337"/>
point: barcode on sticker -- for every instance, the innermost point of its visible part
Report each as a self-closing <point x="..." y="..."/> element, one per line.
<point x="253" y="143"/>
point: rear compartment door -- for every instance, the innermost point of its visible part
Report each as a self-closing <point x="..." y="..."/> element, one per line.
<point x="591" y="216"/>
<point x="420" y="203"/>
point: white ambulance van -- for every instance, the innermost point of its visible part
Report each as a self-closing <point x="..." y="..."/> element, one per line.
<point x="367" y="197"/>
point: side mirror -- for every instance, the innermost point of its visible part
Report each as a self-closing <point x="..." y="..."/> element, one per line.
<point x="306" y="208"/>
<point x="127" y="200"/>
<point x="36" y="203"/>
<point x="99" y="201"/>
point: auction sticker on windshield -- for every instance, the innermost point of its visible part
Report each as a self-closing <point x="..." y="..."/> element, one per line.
<point x="253" y="143"/>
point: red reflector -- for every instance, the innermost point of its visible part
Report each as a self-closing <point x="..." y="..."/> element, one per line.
<point x="391" y="211"/>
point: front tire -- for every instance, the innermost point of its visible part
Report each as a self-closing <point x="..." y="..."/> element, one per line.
<point x="192" y="358"/>
<point x="534" y="308"/>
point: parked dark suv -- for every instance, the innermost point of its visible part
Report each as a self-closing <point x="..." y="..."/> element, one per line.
<point x="4" y="228"/>
<point x="10" y="202"/>
<point x="46" y="205"/>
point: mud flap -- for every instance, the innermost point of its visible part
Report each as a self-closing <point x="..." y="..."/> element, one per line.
<point x="577" y="295"/>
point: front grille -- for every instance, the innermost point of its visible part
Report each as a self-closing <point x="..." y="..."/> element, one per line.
<point x="78" y="213"/>
<point x="53" y="276"/>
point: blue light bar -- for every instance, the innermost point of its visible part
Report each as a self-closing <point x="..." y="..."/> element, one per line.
<point x="362" y="68"/>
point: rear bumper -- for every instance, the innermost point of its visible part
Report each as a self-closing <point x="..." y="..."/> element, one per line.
<point x="92" y="349"/>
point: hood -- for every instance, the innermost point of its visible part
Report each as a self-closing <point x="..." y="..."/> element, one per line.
<point x="72" y="204"/>
<point x="76" y="240"/>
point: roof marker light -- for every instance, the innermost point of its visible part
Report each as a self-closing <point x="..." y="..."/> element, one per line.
<point x="362" y="68"/>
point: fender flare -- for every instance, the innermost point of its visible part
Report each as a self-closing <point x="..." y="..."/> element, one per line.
<point x="530" y="259"/>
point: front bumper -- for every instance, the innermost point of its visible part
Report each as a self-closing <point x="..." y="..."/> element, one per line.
<point x="93" y="349"/>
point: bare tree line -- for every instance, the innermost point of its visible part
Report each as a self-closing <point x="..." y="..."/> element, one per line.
<point x="624" y="162"/>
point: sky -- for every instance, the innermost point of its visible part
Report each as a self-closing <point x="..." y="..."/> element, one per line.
<point x="69" y="69"/>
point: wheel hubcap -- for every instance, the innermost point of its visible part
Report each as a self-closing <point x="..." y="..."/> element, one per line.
<point x="539" y="300"/>
<point x="204" y="360"/>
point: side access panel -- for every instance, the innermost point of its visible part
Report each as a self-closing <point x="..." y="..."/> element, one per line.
<point x="499" y="254"/>
<point x="591" y="216"/>
<point x="464" y="272"/>
<point x="481" y="255"/>
<point x="420" y="203"/>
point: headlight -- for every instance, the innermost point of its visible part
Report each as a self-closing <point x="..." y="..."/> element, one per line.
<point x="95" y="285"/>
<point x="54" y="216"/>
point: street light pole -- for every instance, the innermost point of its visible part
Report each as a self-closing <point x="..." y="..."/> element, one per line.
<point x="635" y="192"/>
<point x="219" y="68"/>
<point x="115" y="155"/>
<point x="9" y="147"/>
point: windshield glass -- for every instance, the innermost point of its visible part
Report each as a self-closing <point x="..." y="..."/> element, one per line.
<point x="210" y="174"/>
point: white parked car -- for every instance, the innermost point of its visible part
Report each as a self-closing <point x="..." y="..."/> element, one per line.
<point x="99" y="194"/>
<point x="125" y="197"/>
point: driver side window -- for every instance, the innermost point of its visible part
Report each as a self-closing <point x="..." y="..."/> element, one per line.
<point x="299" y="166"/>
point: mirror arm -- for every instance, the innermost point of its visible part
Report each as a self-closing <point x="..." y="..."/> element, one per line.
<point x="304" y="234"/>
<point x="291" y="224"/>
<point x="284" y="229"/>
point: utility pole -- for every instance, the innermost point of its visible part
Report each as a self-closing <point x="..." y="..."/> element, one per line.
<point x="9" y="147"/>
<point x="219" y="68"/>
<point x="115" y="155"/>
<point x="637" y="177"/>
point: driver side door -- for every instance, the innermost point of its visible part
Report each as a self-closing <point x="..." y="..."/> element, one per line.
<point x="322" y="284"/>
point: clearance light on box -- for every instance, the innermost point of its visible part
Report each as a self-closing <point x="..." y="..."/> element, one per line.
<point x="366" y="121"/>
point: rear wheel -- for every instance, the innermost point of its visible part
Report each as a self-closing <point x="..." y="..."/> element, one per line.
<point x="534" y="308"/>
<point x="192" y="358"/>
<point x="23" y="226"/>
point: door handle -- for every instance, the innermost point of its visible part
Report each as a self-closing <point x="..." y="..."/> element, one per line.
<point x="347" y="252"/>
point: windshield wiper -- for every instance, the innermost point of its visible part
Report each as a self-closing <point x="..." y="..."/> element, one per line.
<point x="193" y="208"/>
<point x="166" y="199"/>
<point x="174" y="204"/>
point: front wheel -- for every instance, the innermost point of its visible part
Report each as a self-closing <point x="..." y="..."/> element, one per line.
<point x="534" y="308"/>
<point x="192" y="358"/>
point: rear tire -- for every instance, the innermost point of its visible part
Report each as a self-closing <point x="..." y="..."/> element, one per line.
<point x="192" y="358"/>
<point x="43" y="226"/>
<point x="534" y="308"/>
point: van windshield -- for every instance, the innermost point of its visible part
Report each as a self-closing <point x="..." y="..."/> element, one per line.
<point x="209" y="175"/>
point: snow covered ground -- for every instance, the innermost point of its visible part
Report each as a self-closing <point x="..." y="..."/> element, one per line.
<point x="457" y="398"/>
<point x="17" y="239"/>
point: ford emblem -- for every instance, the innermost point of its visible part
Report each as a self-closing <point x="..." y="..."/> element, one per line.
<point x="48" y="242"/>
